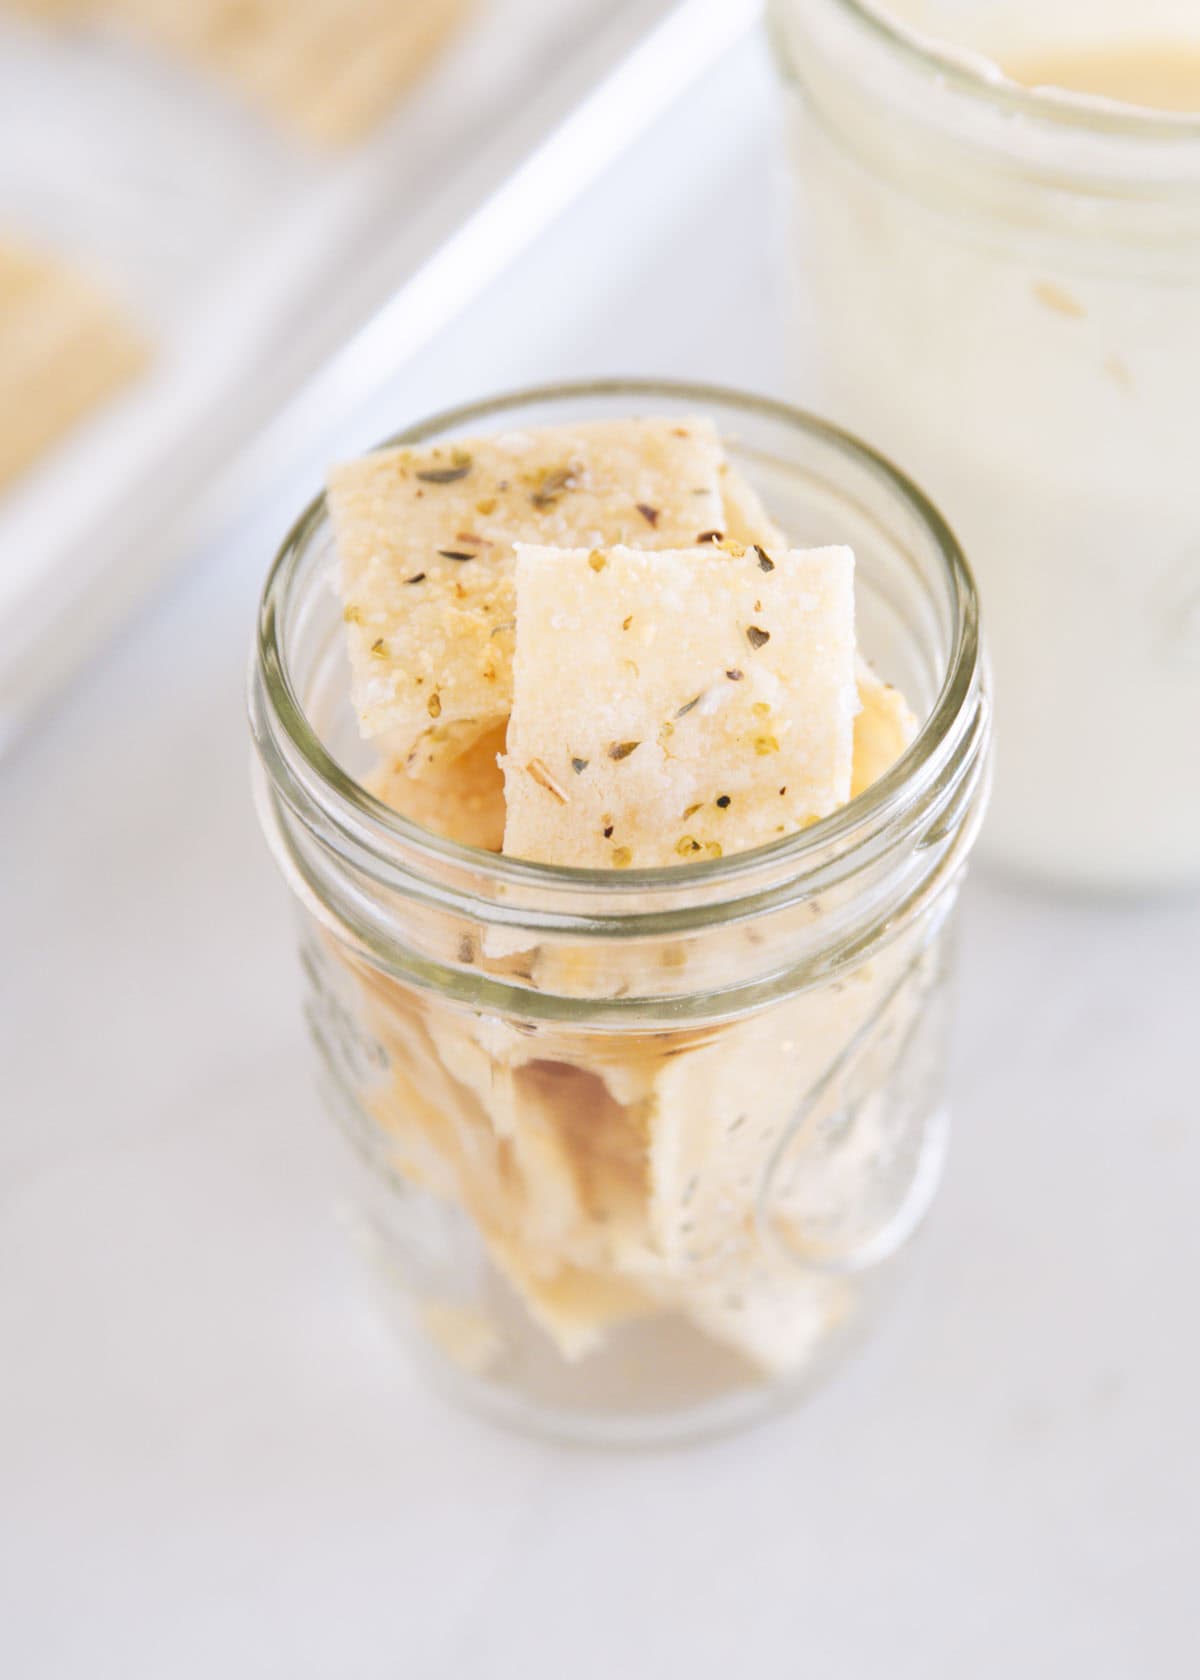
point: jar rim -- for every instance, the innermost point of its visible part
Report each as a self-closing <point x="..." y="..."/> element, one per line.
<point x="291" y="745"/>
<point x="941" y="64"/>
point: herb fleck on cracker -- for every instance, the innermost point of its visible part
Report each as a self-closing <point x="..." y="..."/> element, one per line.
<point x="447" y="475"/>
<point x="471" y="503"/>
<point x="544" y="779"/>
<point x="551" y="485"/>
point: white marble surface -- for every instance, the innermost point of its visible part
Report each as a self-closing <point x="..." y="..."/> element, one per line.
<point x="212" y="1461"/>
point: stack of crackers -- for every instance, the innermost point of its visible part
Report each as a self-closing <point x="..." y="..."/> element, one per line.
<point x="610" y="604"/>
<point x="588" y="645"/>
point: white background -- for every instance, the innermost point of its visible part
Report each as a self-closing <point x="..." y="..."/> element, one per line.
<point x="212" y="1460"/>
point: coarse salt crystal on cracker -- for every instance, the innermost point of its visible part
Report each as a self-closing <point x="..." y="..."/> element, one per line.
<point x="678" y="706"/>
<point x="425" y="540"/>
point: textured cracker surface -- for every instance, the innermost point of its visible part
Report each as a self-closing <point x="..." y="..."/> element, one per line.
<point x="649" y="688"/>
<point x="885" y="727"/>
<point x="613" y="1176"/>
<point x="433" y="657"/>
<point x="462" y="798"/>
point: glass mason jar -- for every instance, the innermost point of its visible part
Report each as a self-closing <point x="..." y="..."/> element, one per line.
<point x="999" y="287"/>
<point x="636" y="1152"/>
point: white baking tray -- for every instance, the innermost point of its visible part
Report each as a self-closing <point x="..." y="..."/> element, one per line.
<point x="278" y="284"/>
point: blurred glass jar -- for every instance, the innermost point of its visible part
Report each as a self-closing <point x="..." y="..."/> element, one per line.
<point x="999" y="287"/>
<point x="635" y="1153"/>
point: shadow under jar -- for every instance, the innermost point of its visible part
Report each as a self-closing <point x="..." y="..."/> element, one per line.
<point x="998" y="283"/>
<point x="635" y="1153"/>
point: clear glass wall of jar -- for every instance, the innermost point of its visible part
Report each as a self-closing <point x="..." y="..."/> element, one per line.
<point x="636" y="1154"/>
<point x="999" y="287"/>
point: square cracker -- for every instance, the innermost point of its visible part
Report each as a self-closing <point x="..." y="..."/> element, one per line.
<point x="425" y="539"/>
<point x="724" y="1111"/>
<point x="677" y="706"/>
<point x="885" y="726"/>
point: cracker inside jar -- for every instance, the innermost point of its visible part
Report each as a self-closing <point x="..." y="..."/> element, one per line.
<point x="630" y="668"/>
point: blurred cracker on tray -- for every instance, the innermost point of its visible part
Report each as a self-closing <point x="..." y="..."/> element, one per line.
<point x="66" y="346"/>
<point x="326" y="70"/>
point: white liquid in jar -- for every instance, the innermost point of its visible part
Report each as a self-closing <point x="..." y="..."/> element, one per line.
<point x="1156" y="76"/>
<point x="1033" y="362"/>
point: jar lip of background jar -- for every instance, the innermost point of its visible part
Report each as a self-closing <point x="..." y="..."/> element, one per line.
<point x="942" y="65"/>
<point x="911" y="83"/>
<point x="310" y="780"/>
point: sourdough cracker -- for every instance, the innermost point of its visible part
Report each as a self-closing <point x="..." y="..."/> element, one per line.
<point x="461" y="798"/>
<point x="65" y="348"/>
<point x="726" y="1114"/>
<point x="425" y="540"/>
<point x="666" y="707"/>
<point x="521" y="1187"/>
<point x="884" y="729"/>
<point x="885" y="726"/>
<point x="774" y="1316"/>
<point x="679" y="706"/>
<point x="327" y="70"/>
<point x="579" y="1153"/>
<point x="395" y="47"/>
<point x="583" y="1208"/>
<point x="576" y="1308"/>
